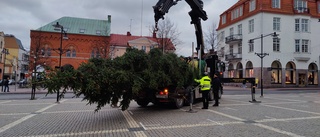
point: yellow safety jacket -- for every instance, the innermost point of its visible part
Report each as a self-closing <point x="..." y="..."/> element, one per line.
<point x="205" y="82"/>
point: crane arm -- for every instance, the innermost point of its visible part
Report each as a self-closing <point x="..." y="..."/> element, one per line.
<point x="197" y="13"/>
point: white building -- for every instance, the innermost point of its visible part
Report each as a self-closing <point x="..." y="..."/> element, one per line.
<point x="293" y="56"/>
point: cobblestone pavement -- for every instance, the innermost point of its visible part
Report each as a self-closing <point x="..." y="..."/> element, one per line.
<point x="278" y="115"/>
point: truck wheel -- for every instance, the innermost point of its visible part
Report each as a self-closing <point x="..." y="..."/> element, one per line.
<point x="142" y="102"/>
<point x="179" y="102"/>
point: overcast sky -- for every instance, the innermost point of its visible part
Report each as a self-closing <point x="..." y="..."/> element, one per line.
<point x="18" y="17"/>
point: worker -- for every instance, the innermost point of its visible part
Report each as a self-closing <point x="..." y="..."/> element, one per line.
<point x="256" y="82"/>
<point x="205" y="86"/>
<point x="216" y="86"/>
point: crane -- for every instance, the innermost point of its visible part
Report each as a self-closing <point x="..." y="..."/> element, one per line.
<point x="197" y="13"/>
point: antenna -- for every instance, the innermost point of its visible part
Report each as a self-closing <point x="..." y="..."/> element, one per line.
<point x="141" y="16"/>
<point x="130" y="24"/>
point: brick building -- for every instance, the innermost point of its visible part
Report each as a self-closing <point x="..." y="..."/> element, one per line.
<point x="80" y="40"/>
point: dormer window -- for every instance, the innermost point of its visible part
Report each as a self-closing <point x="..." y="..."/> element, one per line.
<point x="82" y="30"/>
<point x="276" y="4"/>
<point x="252" y="5"/>
<point x="98" y="32"/>
<point x="66" y="29"/>
<point x="224" y="19"/>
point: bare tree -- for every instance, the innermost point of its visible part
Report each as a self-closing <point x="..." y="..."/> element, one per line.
<point x="100" y="48"/>
<point x="211" y="38"/>
<point x="167" y="33"/>
<point x="39" y="57"/>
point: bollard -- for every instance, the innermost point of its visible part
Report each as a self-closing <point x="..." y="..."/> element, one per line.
<point x="253" y="92"/>
<point x="191" y="101"/>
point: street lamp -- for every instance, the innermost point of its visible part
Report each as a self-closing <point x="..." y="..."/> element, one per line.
<point x="5" y="52"/>
<point x="261" y="54"/>
<point x="63" y="35"/>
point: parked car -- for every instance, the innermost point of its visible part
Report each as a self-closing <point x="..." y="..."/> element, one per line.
<point x="12" y="82"/>
<point x="23" y="83"/>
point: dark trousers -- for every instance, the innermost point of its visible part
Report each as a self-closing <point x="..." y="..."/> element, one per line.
<point x="6" y="87"/>
<point x="216" y="97"/>
<point x="205" y="98"/>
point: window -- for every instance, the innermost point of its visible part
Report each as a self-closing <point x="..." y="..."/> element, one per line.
<point x="82" y="30"/>
<point x="297" y="25"/>
<point x="222" y="36"/>
<point x="74" y="53"/>
<point x="1" y="44"/>
<point x="231" y="49"/>
<point x="252" y="5"/>
<point x="237" y="13"/>
<point x="92" y="54"/>
<point x="48" y="52"/>
<point x="304" y="25"/>
<point x="304" y="46"/>
<point x="240" y="29"/>
<point x="65" y="29"/>
<point x="240" y="48"/>
<point x="144" y="48"/>
<point x="276" y="4"/>
<point x="231" y="31"/>
<point x="98" y="32"/>
<point x="297" y="45"/>
<point x="276" y="44"/>
<point x="251" y="46"/>
<point x="251" y="26"/>
<point x="224" y="19"/>
<point x="95" y="53"/>
<point x="68" y="53"/>
<point x="276" y="24"/>
<point x="300" y="5"/>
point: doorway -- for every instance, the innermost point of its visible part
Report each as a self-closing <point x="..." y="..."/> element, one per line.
<point x="302" y="79"/>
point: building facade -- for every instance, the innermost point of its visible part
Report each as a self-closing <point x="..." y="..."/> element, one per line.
<point x="2" y="42"/>
<point x="82" y="39"/>
<point x="79" y="40"/>
<point x="12" y="51"/>
<point x="119" y="43"/>
<point x="248" y="45"/>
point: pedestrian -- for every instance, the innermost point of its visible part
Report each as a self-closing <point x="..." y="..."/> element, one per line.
<point x="216" y="86"/>
<point x="256" y="82"/>
<point x="205" y="86"/>
<point x="244" y="84"/>
<point x="6" y="85"/>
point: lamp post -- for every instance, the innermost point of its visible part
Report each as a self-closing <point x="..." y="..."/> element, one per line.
<point x="5" y="52"/>
<point x="34" y="77"/>
<point x="63" y="35"/>
<point x="262" y="55"/>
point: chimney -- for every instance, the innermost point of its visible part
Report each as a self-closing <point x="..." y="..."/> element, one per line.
<point x="128" y="33"/>
<point x="154" y="34"/>
<point x="109" y="18"/>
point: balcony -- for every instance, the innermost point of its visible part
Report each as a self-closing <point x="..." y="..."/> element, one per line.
<point x="301" y="10"/>
<point x="299" y="56"/>
<point x="234" y="39"/>
<point x="234" y="56"/>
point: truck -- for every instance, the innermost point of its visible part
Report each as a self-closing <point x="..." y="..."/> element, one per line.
<point x="182" y="95"/>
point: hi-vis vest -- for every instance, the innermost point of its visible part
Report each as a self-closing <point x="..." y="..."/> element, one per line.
<point x="205" y="83"/>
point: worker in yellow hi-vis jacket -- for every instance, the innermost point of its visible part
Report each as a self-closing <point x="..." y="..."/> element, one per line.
<point x="205" y="86"/>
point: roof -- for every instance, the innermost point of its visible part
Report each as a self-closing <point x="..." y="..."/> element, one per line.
<point x="122" y="40"/>
<point x="74" y="25"/>
<point x="12" y="42"/>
